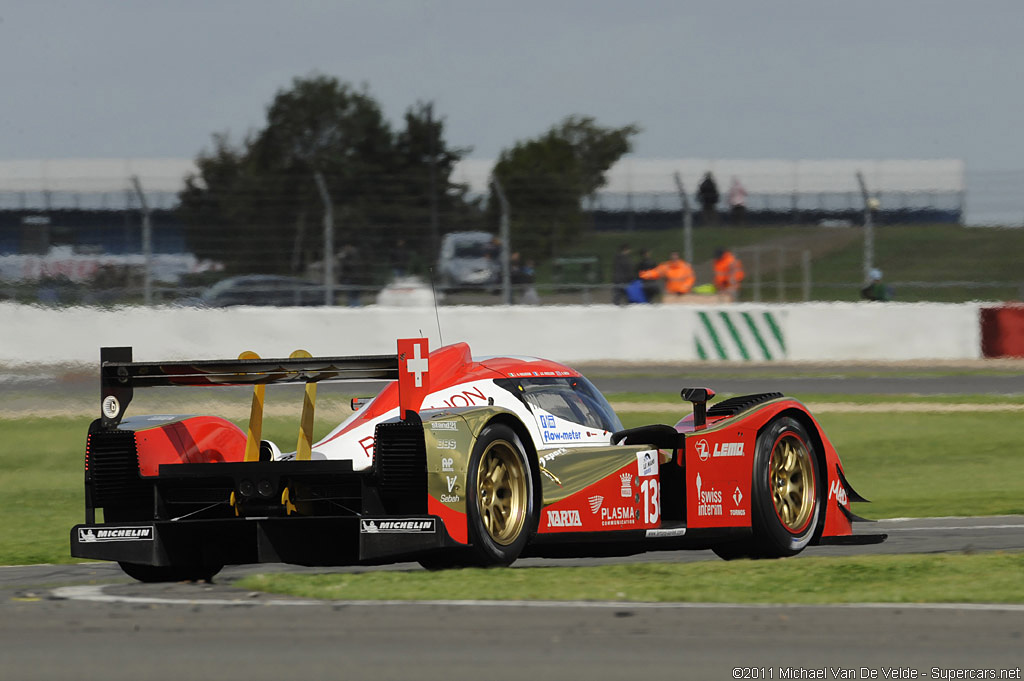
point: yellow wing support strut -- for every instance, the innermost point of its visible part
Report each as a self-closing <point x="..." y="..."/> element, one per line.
<point x="255" y="432"/>
<point x="304" y="447"/>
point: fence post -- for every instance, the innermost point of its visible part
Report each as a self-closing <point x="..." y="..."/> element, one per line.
<point x="435" y="237"/>
<point x="781" y="269"/>
<point x="147" y="244"/>
<point x="869" y="228"/>
<point x="757" y="274"/>
<point x="328" y="239"/>
<point x="687" y="220"/>
<point x="806" y="261"/>
<point x="506" y="274"/>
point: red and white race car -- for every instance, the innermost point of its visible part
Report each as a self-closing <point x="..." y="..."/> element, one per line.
<point x="459" y="460"/>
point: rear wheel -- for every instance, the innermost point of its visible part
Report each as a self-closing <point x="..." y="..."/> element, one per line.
<point x="170" y="573"/>
<point x="500" y="497"/>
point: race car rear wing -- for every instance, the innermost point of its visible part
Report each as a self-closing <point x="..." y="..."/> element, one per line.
<point x="119" y="376"/>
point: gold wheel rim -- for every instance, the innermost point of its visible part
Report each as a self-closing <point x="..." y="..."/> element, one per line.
<point x="501" y="492"/>
<point x="791" y="476"/>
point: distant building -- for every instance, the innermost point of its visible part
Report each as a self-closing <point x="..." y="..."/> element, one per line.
<point x="89" y="205"/>
<point x="642" y="194"/>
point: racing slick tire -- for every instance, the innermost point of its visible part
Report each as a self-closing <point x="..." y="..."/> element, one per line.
<point x="170" y="573"/>
<point x="786" y="499"/>
<point x="500" y="498"/>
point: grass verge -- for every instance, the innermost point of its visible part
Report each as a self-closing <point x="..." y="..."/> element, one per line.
<point x="934" y="578"/>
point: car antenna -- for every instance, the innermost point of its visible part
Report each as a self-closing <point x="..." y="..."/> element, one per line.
<point x="433" y="294"/>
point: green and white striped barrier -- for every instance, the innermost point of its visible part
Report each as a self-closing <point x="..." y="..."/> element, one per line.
<point x="747" y="335"/>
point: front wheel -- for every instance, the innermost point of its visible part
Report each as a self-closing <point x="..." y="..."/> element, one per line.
<point x="170" y="573"/>
<point x="785" y="494"/>
<point x="500" y="500"/>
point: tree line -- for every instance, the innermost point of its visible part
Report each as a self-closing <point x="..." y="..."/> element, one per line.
<point x="255" y="205"/>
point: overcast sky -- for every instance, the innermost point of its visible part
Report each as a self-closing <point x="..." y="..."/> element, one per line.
<point x="742" y="79"/>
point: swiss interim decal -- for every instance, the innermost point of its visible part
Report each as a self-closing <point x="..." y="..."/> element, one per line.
<point x="709" y="499"/>
<point x="718" y="503"/>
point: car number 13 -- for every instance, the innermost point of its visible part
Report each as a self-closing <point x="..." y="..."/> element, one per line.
<point x="652" y="505"/>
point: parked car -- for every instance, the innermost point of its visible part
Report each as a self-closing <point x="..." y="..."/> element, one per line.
<point x="262" y="289"/>
<point x="469" y="259"/>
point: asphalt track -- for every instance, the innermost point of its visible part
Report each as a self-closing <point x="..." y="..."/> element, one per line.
<point x="88" y="621"/>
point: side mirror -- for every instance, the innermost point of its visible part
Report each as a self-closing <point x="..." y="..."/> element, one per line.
<point x="699" y="397"/>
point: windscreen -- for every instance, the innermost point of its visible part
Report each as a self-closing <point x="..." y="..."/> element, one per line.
<point x="471" y="249"/>
<point x="573" y="399"/>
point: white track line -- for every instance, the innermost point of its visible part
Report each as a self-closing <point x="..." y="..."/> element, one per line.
<point x="953" y="527"/>
<point x="94" y="593"/>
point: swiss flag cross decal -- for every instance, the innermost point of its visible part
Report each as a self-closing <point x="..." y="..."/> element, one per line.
<point x="413" y="373"/>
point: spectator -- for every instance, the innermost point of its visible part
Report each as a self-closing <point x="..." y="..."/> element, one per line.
<point x="728" y="273"/>
<point x="676" y="272"/>
<point x="876" y="289"/>
<point x="400" y="258"/>
<point x="351" y="273"/>
<point x="523" y="276"/>
<point x="623" y="274"/>
<point x="737" y="202"/>
<point x="707" y="195"/>
<point x="649" y="289"/>
<point x="493" y="252"/>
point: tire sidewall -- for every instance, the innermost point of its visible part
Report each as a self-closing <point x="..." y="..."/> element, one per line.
<point x="486" y="549"/>
<point x="772" y="536"/>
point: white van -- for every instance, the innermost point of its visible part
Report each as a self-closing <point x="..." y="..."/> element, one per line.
<point x="469" y="259"/>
